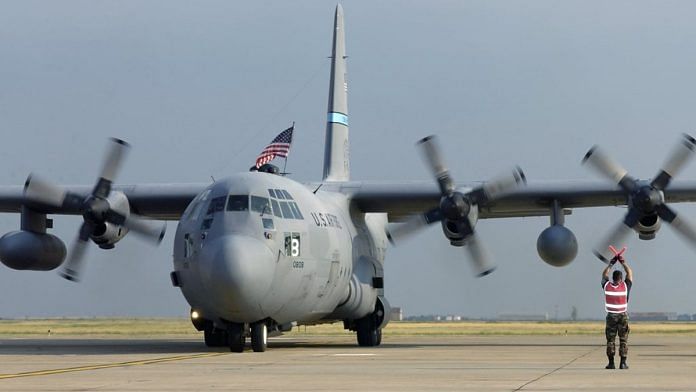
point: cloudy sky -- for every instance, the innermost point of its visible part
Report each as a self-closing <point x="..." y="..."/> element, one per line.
<point x="198" y="88"/>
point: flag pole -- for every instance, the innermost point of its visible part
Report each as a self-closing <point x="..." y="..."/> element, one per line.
<point x="285" y="163"/>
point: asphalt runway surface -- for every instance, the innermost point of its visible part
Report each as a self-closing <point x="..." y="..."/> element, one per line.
<point x="413" y="363"/>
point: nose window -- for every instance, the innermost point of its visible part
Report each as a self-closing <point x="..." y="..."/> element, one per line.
<point x="268" y="224"/>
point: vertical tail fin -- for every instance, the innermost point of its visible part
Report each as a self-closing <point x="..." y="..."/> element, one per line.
<point x="336" y="150"/>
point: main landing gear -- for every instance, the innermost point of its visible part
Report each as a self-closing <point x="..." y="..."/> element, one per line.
<point x="368" y="331"/>
<point x="369" y="328"/>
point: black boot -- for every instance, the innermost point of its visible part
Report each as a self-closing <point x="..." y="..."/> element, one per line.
<point x="610" y="365"/>
<point x="623" y="365"/>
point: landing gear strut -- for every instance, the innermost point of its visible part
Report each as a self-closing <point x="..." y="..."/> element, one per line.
<point x="215" y="337"/>
<point x="259" y="336"/>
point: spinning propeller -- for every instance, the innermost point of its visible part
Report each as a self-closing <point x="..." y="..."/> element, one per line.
<point x="455" y="207"/>
<point x="95" y="208"/>
<point x="646" y="199"/>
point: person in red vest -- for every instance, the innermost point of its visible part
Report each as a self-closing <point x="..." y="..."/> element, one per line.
<point x="616" y="292"/>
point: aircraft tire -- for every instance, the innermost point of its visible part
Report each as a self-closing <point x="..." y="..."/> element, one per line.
<point x="236" y="338"/>
<point x="259" y="337"/>
<point x="368" y="332"/>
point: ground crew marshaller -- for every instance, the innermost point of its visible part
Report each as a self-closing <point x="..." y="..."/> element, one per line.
<point x="616" y="292"/>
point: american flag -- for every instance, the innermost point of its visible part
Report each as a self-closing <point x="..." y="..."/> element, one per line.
<point x="279" y="147"/>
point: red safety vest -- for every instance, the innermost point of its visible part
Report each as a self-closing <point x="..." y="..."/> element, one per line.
<point x="616" y="297"/>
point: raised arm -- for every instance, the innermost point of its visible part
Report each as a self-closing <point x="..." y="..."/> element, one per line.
<point x="605" y="273"/>
<point x="629" y="271"/>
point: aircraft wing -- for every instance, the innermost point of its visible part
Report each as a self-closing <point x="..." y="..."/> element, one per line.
<point x="157" y="201"/>
<point x="400" y="200"/>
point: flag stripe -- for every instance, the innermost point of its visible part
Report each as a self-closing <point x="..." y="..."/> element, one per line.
<point x="279" y="147"/>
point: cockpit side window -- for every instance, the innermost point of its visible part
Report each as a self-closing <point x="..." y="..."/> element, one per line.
<point x="207" y="224"/>
<point x="261" y="205"/>
<point x="238" y="203"/>
<point x="216" y="204"/>
<point x="194" y="208"/>
<point x="284" y="209"/>
<point x="287" y="212"/>
<point x="286" y="194"/>
<point x="296" y="210"/>
<point x="276" y="208"/>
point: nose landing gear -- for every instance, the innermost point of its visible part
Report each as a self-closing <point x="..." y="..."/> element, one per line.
<point x="236" y="336"/>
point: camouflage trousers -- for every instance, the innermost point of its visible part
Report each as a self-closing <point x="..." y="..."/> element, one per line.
<point x="617" y="323"/>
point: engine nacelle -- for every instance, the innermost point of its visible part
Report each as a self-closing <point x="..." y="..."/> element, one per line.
<point x="648" y="226"/>
<point x="557" y="245"/>
<point x="26" y="250"/>
<point x="108" y="234"/>
<point x="361" y="295"/>
<point x="451" y="229"/>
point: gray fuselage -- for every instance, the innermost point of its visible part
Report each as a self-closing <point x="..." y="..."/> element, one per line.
<point x="258" y="246"/>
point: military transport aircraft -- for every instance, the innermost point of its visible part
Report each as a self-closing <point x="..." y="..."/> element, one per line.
<point x="258" y="253"/>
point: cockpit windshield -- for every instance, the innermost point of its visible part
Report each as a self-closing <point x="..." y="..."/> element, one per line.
<point x="260" y="205"/>
<point x="285" y="208"/>
<point x="238" y="203"/>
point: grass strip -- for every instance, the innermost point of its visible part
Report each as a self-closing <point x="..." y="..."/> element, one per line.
<point x="148" y="327"/>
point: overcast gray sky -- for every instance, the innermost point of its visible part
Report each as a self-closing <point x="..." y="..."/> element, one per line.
<point x="198" y="88"/>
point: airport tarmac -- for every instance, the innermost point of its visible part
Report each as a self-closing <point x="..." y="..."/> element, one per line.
<point x="413" y="363"/>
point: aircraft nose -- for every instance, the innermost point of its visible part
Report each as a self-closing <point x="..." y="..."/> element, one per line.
<point x="241" y="272"/>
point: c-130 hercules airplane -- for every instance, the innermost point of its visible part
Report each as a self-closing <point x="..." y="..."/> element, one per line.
<point x="258" y="253"/>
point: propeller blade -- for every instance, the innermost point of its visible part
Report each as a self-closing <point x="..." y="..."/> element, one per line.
<point x="679" y="157"/>
<point x="605" y="165"/>
<point x="505" y="182"/>
<point x="42" y="191"/>
<point x="114" y="158"/>
<point x="401" y="231"/>
<point x="433" y="157"/>
<point x="498" y="185"/>
<point x="117" y="150"/>
<point x="683" y="227"/>
<point x="146" y="228"/>
<point x="73" y="267"/>
<point x="481" y="259"/>
<point x="617" y="236"/>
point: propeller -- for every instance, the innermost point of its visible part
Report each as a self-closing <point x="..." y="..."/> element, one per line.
<point x="645" y="199"/>
<point x="95" y="208"/>
<point x="454" y="207"/>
